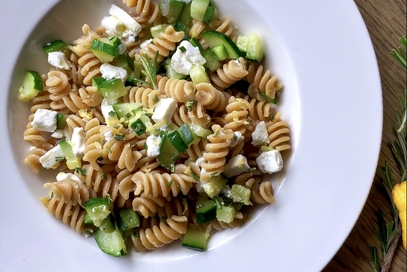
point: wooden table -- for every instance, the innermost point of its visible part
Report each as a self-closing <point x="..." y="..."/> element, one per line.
<point x="386" y="21"/>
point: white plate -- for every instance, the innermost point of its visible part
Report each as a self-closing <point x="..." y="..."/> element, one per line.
<point x="332" y="99"/>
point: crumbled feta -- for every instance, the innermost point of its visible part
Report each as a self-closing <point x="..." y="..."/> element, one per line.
<point x="235" y="166"/>
<point x="237" y="137"/>
<point x="58" y="59"/>
<point x="183" y="60"/>
<point x="78" y="142"/>
<point x="51" y="159"/>
<point x="61" y="176"/>
<point x="153" y="146"/>
<point x="260" y="135"/>
<point x="109" y="72"/>
<point x="45" y="120"/>
<point x="108" y="135"/>
<point x="121" y="24"/>
<point x="164" y="110"/>
<point x="144" y="44"/>
<point x="106" y="107"/>
<point x="270" y="162"/>
<point x="61" y="133"/>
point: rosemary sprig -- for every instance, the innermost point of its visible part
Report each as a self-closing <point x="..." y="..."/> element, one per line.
<point x="150" y="68"/>
<point x="389" y="233"/>
<point x="399" y="53"/>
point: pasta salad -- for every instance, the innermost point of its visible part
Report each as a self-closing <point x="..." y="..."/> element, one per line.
<point x="161" y="123"/>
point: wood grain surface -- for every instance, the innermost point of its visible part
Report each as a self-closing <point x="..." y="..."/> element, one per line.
<point x="386" y="22"/>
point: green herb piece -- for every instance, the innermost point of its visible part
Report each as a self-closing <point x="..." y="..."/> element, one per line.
<point x="191" y="104"/>
<point x="81" y="171"/>
<point x="118" y="137"/>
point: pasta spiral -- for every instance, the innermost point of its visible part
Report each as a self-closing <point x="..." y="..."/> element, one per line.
<point x="145" y="96"/>
<point x="161" y="234"/>
<point x="179" y="89"/>
<point x="163" y="184"/>
<point x="163" y="44"/>
<point x="215" y="152"/>
<point x="229" y="73"/>
<point x="147" y="12"/>
<point x="70" y="214"/>
<point x="70" y="191"/>
<point x="278" y="132"/>
<point x="58" y="86"/>
<point x="262" y="192"/>
<point x="237" y="112"/>
<point x="263" y="80"/>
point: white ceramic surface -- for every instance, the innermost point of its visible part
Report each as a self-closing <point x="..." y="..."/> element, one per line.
<point x="322" y="53"/>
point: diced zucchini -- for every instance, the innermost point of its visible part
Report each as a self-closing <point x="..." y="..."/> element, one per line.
<point x="215" y="185"/>
<point x="225" y="214"/>
<point x="188" y="136"/>
<point x="98" y="209"/>
<point x="112" y="89"/>
<point x="32" y="85"/>
<point x="195" y="239"/>
<point x="198" y="74"/>
<point x="125" y="110"/>
<point x="71" y="160"/>
<point x="212" y="62"/>
<point x="220" y="52"/>
<point x="240" y="194"/>
<point x="254" y="50"/>
<point x="210" y="15"/>
<point x="196" y="43"/>
<point x="185" y="16"/>
<point x="138" y="126"/>
<point x="105" y="52"/>
<point x="199" y="131"/>
<point x="198" y="9"/>
<point x="205" y="210"/>
<point x="61" y="120"/>
<point x="97" y="81"/>
<point x="124" y="61"/>
<point x="127" y="219"/>
<point x="55" y="46"/>
<point x="168" y="153"/>
<point x="214" y="38"/>
<point x="87" y="220"/>
<point x="177" y="141"/>
<point x="111" y="243"/>
<point x="171" y="10"/>
<point x="107" y="224"/>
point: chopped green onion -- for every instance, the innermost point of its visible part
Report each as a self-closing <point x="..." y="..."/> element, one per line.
<point x="191" y="104"/>
<point x="182" y="49"/>
<point x="118" y="137"/>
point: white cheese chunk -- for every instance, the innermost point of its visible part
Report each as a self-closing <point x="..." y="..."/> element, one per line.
<point x="121" y="24"/>
<point x="106" y="107"/>
<point x="164" y="110"/>
<point x="183" y="60"/>
<point x="58" y="59"/>
<point x="260" y="135"/>
<point x="78" y="142"/>
<point x="235" y="166"/>
<point x="237" y="138"/>
<point x="61" y="176"/>
<point x="153" y="146"/>
<point x="45" y="120"/>
<point x="270" y="162"/>
<point x="51" y="159"/>
<point x="109" y="72"/>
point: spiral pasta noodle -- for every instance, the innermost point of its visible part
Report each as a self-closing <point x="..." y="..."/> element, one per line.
<point x="216" y="151"/>
<point x="278" y="132"/>
<point x="262" y="79"/>
<point x="229" y="73"/>
<point x="163" y="44"/>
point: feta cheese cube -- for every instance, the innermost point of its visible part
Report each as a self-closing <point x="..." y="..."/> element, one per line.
<point x="153" y="146"/>
<point x="78" y="142"/>
<point x="237" y="138"/>
<point x="61" y="176"/>
<point x="109" y="72"/>
<point x="121" y="24"/>
<point x="260" y="135"/>
<point x="58" y="59"/>
<point x="45" y="120"/>
<point x="164" y="110"/>
<point x="51" y="159"/>
<point x="183" y="60"/>
<point x="270" y="162"/>
<point x="235" y="166"/>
